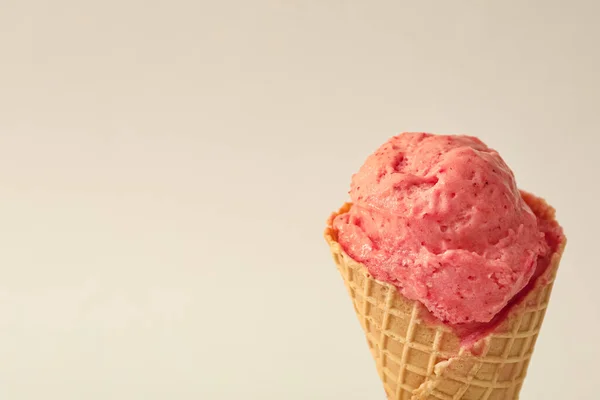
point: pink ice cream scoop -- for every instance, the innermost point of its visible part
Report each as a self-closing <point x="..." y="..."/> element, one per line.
<point x="441" y="218"/>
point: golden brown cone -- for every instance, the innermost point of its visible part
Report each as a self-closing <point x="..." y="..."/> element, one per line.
<point x="420" y="360"/>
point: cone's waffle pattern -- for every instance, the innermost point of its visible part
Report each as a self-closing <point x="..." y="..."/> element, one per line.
<point x="418" y="360"/>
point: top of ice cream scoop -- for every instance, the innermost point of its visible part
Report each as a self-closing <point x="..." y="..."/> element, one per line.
<point x="441" y="217"/>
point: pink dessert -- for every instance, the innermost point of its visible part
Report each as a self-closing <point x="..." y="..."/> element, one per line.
<point x="442" y="219"/>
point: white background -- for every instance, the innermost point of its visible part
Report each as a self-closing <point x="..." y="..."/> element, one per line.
<point x="166" y="169"/>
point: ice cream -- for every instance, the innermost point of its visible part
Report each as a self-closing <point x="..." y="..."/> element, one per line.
<point x="448" y="265"/>
<point x="441" y="218"/>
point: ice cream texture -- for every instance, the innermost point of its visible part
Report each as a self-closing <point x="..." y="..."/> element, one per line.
<point x="441" y="218"/>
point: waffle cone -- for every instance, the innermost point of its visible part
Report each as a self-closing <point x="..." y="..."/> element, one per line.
<point x="419" y="359"/>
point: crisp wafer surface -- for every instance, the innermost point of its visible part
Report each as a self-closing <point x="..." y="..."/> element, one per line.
<point x="420" y="360"/>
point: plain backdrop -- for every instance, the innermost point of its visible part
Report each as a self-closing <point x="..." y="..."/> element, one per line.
<point x="166" y="169"/>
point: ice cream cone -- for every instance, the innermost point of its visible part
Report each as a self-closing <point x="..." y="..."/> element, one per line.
<point x="419" y="359"/>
